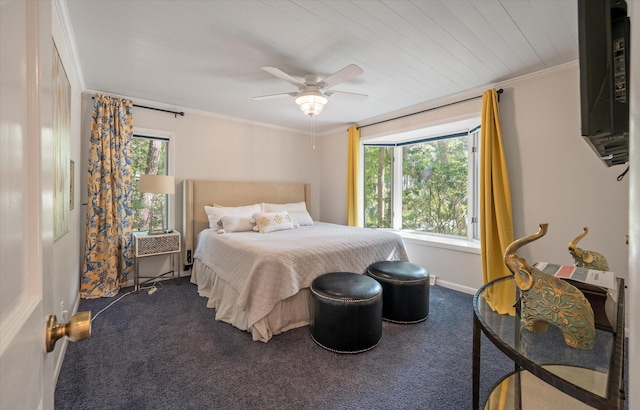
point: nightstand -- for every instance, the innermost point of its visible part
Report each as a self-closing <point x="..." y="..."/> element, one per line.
<point x="152" y="245"/>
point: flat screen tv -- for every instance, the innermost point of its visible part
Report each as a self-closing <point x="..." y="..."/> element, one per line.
<point x="603" y="34"/>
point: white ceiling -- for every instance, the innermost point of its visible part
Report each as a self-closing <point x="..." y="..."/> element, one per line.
<point x="207" y="55"/>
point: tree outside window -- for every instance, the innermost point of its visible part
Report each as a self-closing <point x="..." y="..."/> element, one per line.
<point x="149" y="157"/>
<point x="434" y="192"/>
<point x="431" y="188"/>
<point x="377" y="183"/>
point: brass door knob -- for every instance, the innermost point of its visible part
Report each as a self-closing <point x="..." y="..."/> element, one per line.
<point x="78" y="328"/>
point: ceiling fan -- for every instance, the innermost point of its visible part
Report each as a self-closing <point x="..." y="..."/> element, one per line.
<point x="312" y="94"/>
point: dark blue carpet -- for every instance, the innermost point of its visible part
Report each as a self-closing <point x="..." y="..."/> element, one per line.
<point x="166" y="351"/>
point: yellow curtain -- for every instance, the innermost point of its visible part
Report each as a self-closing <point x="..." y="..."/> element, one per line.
<point x="496" y="224"/>
<point x="108" y="245"/>
<point x="353" y="170"/>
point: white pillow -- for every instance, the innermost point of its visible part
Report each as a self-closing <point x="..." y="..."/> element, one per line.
<point x="237" y="223"/>
<point x="260" y="205"/>
<point x="272" y="221"/>
<point x="300" y="218"/>
<point x="289" y="207"/>
<point x="215" y="213"/>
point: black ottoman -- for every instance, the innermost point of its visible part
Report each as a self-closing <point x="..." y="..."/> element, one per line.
<point x="405" y="290"/>
<point x="346" y="312"/>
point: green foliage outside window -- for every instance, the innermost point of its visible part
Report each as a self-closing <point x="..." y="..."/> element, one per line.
<point x="377" y="186"/>
<point x="149" y="157"/>
<point x="435" y="182"/>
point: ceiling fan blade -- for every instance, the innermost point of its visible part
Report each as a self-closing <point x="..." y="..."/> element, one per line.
<point x="282" y="75"/>
<point x="341" y="76"/>
<point x="343" y="95"/>
<point x="266" y="97"/>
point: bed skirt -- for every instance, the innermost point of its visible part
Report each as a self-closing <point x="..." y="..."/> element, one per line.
<point x="288" y="314"/>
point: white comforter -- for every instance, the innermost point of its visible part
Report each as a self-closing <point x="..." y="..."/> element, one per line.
<point x="267" y="268"/>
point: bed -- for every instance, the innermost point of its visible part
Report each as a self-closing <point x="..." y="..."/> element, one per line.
<point x="259" y="282"/>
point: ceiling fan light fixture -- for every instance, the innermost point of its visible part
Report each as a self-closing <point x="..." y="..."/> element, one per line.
<point x="311" y="102"/>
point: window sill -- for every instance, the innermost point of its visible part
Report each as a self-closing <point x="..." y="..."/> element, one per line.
<point x="460" y="245"/>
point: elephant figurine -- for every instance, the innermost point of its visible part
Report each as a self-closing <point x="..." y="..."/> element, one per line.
<point x="546" y="299"/>
<point x="587" y="259"/>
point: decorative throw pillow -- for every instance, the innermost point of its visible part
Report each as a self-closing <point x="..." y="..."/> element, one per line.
<point x="215" y="213"/>
<point x="300" y="218"/>
<point x="289" y="207"/>
<point x="272" y="221"/>
<point x="237" y="223"/>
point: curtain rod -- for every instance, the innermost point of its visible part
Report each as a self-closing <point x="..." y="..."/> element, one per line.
<point x="175" y="113"/>
<point x="500" y="91"/>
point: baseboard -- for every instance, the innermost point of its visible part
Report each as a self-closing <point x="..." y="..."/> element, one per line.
<point x="58" y="367"/>
<point x="129" y="282"/>
<point x="455" y="286"/>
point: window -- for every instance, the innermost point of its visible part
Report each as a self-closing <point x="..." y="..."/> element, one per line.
<point x="150" y="156"/>
<point x="424" y="182"/>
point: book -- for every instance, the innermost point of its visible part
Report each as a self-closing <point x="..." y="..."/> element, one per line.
<point x="604" y="279"/>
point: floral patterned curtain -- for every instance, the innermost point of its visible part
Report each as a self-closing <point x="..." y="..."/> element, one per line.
<point x="108" y="248"/>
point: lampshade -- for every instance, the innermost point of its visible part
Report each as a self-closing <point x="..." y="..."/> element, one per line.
<point x="157" y="184"/>
<point x="311" y="102"/>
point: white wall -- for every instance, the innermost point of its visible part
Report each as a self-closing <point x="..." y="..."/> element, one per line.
<point x="210" y="147"/>
<point x="555" y="178"/>
<point x="64" y="283"/>
<point x="332" y="174"/>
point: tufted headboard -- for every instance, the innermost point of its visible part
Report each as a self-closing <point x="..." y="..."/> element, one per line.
<point x="198" y="193"/>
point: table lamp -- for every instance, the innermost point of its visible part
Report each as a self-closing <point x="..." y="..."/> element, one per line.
<point x="156" y="184"/>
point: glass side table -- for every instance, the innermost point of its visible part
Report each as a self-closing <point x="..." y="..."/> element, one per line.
<point x="549" y="374"/>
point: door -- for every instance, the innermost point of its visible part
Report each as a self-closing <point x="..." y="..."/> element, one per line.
<point x="25" y="202"/>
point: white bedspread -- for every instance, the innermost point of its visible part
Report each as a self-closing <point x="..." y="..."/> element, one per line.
<point x="267" y="268"/>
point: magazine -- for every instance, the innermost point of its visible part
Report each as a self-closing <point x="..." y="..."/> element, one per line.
<point x="600" y="278"/>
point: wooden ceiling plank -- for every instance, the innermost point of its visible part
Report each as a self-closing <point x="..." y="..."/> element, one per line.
<point x="486" y="33"/>
<point x="392" y="62"/>
<point x="529" y="23"/>
<point x="495" y="12"/>
<point x="429" y="44"/>
<point x="553" y="18"/>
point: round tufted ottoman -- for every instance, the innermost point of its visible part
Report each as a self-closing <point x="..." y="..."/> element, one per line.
<point x="346" y="312"/>
<point x="405" y="290"/>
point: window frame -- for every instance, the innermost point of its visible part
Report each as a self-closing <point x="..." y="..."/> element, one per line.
<point x="473" y="178"/>
<point x="169" y="137"/>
